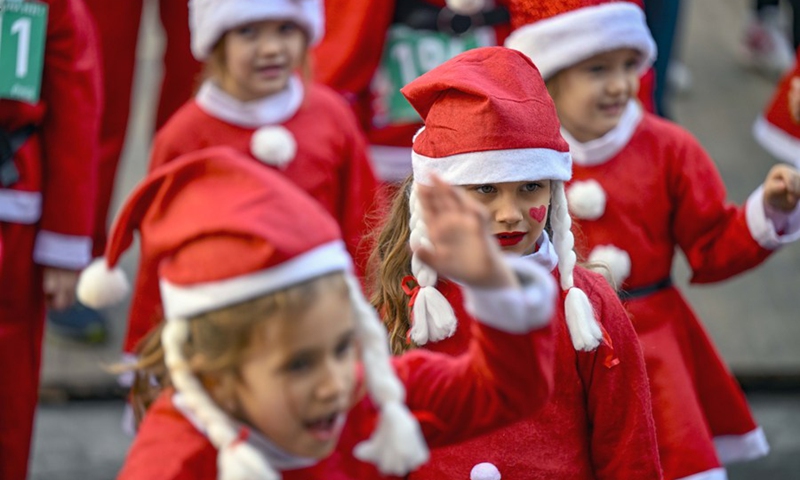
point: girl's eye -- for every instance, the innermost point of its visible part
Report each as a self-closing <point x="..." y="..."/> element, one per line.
<point x="246" y="31"/>
<point x="485" y="189"/>
<point x="631" y="64"/>
<point x="531" y="187"/>
<point x="596" y="68"/>
<point x="298" y="365"/>
<point x="288" y="27"/>
<point x="345" y="347"/>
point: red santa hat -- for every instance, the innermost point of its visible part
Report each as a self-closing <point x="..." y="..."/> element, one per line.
<point x="489" y="119"/>
<point x="558" y="34"/>
<point x="225" y="230"/>
<point x="210" y="19"/>
<point x="775" y="129"/>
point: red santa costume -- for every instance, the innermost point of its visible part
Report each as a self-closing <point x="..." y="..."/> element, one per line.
<point x="46" y="210"/>
<point x="775" y="130"/>
<point x="633" y="213"/>
<point x="378" y="47"/>
<point x="216" y="204"/>
<point x="118" y="32"/>
<point x="599" y="422"/>
<point x="306" y="131"/>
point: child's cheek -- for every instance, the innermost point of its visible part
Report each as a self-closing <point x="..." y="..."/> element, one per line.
<point x="538" y="213"/>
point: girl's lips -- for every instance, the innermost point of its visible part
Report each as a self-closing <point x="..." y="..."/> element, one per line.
<point x="614" y="109"/>
<point x="327" y="429"/>
<point x="509" y="239"/>
<point x="272" y="71"/>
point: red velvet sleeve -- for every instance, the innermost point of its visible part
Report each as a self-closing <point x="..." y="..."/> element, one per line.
<point x="623" y="440"/>
<point x="501" y="378"/>
<point x="712" y="233"/>
<point x="71" y="89"/>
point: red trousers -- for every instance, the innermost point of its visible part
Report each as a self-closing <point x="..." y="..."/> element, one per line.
<point x="21" y="327"/>
<point x="118" y="31"/>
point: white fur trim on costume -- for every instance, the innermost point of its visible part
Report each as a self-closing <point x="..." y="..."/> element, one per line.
<point x="396" y="446"/>
<point x="270" y="110"/>
<point x="713" y="474"/>
<point x="71" y="252"/>
<point x="587" y="199"/>
<point x="466" y="7"/>
<point x="100" y="287"/>
<point x="433" y="316"/>
<point x="17" y="206"/>
<point x="742" y="448"/>
<point x="274" y="145"/>
<point x="568" y="38"/>
<point x="185" y="302"/>
<point x="582" y="325"/>
<point x="210" y="19"/>
<point x="777" y="141"/>
<point x="762" y="227"/>
<point x="390" y="164"/>
<point x="484" y="471"/>
<point x="494" y="166"/>
<point x="617" y="260"/>
<point x="603" y="149"/>
<point x="513" y="310"/>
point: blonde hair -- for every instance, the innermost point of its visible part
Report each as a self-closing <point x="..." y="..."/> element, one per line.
<point x="389" y="262"/>
<point x="220" y="340"/>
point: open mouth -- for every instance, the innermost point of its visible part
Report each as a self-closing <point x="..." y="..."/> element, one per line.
<point x="326" y="428"/>
<point x="509" y="239"/>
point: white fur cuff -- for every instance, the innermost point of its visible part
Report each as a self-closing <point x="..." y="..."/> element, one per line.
<point x="762" y="227"/>
<point x="515" y="310"/>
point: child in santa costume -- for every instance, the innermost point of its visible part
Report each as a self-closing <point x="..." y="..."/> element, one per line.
<point x="491" y="128"/>
<point x="777" y="129"/>
<point x="641" y="188"/>
<point x="258" y="359"/>
<point x="255" y="101"/>
<point x="48" y="168"/>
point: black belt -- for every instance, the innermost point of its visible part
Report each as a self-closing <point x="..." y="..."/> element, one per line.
<point x="10" y="143"/>
<point x="646" y="290"/>
<point x="421" y="15"/>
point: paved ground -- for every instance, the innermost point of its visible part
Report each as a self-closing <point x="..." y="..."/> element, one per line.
<point x="753" y="319"/>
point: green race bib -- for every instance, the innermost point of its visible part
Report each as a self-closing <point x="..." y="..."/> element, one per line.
<point x="409" y="53"/>
<point x="23" y="29"/>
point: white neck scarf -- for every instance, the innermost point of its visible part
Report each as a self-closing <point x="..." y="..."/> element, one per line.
<point x="270" y="110"/>
<point x="600" y="150"/>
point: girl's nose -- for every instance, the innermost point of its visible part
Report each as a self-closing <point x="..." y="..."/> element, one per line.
<point x="333" y="382"/>
<point x="508" y="211"/>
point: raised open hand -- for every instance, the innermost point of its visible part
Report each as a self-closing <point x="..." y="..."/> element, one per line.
<point x="463" y="248"/>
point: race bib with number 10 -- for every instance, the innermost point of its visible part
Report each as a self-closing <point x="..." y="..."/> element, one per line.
<point x="23" y="29"/>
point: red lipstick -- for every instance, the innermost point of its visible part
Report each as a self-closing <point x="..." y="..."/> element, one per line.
<point x="509" y="239"/>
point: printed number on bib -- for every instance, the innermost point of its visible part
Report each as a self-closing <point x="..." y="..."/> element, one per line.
<point x="23" y="29"/>
<point x="408" y="54"/>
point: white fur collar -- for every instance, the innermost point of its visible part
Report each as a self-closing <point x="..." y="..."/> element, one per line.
<point x="271" y="110"/>
<point x="598" y="151"/>
<point x="545" y="255"/>
<point x="275" y="456"/>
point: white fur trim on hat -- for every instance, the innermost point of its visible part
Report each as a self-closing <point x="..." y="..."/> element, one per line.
<point x="273" y="145"/>
<point x="587" y="199"/>
<point x="617" y="261"/>
<point x="484" y="471"/>
<point x="568" y="38"/>
<point x="188" y="301"/>
<point x="494" y="166"/>
<point x="100" y="287"/>
<point x="210" y="19"/>
<point x="466" y="7"/>
<point x="777" y="141"/>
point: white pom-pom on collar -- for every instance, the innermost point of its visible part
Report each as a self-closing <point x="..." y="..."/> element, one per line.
<point x="274" y="145"/>
<point x="100" y="286"/>
<point x="617" y="261"/>
<point x="586" y="199"/>
<point x="484" y="471"/>
<point x="466" y="7"/>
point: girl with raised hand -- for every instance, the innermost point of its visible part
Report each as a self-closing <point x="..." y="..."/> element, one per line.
<point x="271" y="364"/>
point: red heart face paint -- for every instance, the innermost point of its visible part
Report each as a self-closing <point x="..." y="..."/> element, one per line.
<point x="538" y="213"/>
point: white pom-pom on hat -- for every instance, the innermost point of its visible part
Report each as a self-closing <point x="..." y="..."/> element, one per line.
<point x="617" y="260"/>
<point x="484" y="471"/>
<point x="274" y="145"/>
<point x="100" y="286"/>
<point x="587" y="200"/>
<point x="466" y="7"/>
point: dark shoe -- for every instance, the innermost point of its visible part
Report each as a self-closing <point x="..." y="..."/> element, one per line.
<point x="78" y="323"/>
